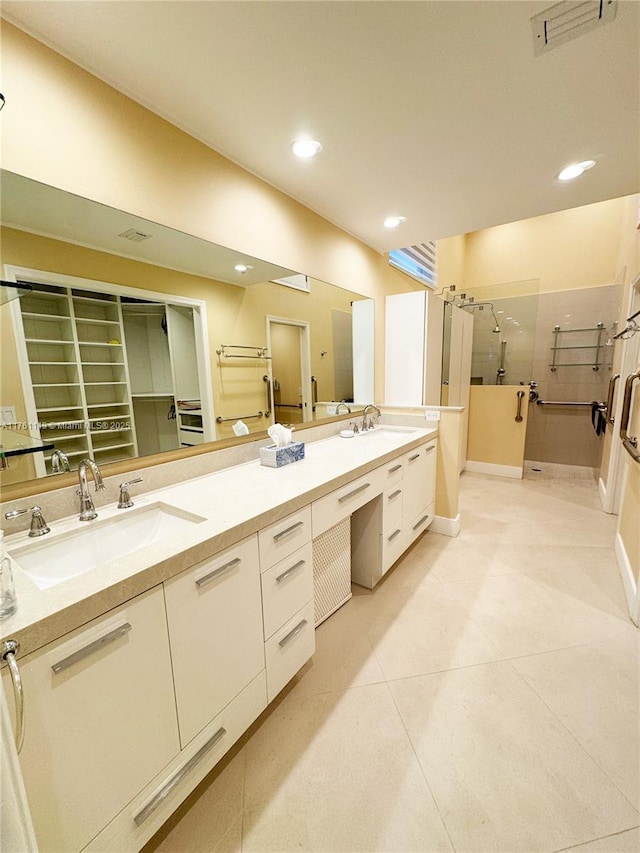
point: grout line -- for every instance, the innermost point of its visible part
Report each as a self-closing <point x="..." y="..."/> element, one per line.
<point x="565" y="726"/>
<point x="422" y="770"/>
<point x="599" y="838"/>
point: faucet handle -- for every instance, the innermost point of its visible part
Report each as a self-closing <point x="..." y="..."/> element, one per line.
<point x="125" y="499"/>
<point x="38" y="525"/>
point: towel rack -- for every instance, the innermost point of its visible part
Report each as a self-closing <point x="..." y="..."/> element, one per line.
<point x="597" y="346"/>
<point x="220" y="420"/>
<point x="260" y="352"/>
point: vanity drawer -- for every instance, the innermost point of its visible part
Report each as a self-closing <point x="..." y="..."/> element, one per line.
<point x="392" y="508"/>
<point x="394" y="542"/>
<point x="152" y="807"/>
<point x="420" y="523"/>
<point x="214" y="615"/>
<point x="286" y="588"/>
<point x="289" y="649"/>
<point x="391" y="473"/>
<point x="281" y="539"/>
<point x="331" y="509"/>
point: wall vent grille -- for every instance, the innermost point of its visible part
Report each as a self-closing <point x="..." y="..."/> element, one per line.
<point x="135" y="236"/>
<point x="568" y="20"/>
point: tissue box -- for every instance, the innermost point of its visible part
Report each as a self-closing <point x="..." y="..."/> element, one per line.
<point x="276" y="457"/>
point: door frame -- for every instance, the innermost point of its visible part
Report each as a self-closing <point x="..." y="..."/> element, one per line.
<point x="305" y="362"/>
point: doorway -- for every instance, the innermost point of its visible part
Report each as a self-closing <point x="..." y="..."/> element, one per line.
<point x="290" y="371"/>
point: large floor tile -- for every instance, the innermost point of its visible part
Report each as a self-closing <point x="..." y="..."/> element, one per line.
<point x="595" y="693"/>
<point x="428" y="632"/>
<point x="505" y="773"/>
<point x="520" y="615"/>
<point x="337" y="772"/>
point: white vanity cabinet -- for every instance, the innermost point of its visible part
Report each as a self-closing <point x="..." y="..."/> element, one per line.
<point x="214" y="614"/>
<point x="100" y="721"/>
<point x="419" y="480"/>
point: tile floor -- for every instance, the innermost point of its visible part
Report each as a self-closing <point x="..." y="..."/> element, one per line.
<point x="485" y="697"/>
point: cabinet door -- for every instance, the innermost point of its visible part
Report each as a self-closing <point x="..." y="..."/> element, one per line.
<point x="419" y="488"/>
<point x="100" y="721"/>
<point x="214" y="612"/>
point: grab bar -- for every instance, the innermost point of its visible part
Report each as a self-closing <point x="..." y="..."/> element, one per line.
<point x="221" y="420"/>
<point x="612" y="391"/>
<point x="266" y="378"/>
<point x="567" y="403"/>
<point x="518" y="417"/>
<point x="629" y="442"/>
<point x="10" y="649"/>
<point x="314" y="393"/>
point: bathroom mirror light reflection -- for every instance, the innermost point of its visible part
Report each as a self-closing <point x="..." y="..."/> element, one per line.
<point x="139" y="339"/>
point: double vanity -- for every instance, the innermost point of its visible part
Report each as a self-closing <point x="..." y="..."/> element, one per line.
<point x="153" y="636"/>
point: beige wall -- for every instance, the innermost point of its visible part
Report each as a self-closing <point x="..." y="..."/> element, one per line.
<point x="64" y="127"/>
<point x="560" y="251"/>
<point x="494" y="436"/>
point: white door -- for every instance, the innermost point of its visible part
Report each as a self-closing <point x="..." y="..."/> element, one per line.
<point x="290" y="370"/>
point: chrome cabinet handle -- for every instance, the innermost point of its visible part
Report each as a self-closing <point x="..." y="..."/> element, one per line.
<point x="394" y="469"/>
<point x="395" y="494"/>
<point x="177" y="777"/>
<point x="518" y="418"/>
<point x="414" y="457"/>
<point x="610" y="395"/>
<point x="430" y="448"/>
<point x="629" y="442"/>
<point x="289" y="571"/>
<point x="10" y="649"/>
<point x="288" y="530"/>
<point x="354" y="492"/>
<point x="393" y="535"/>
<point x="291" y="634"/>
<point x="421" y="522"/>
<point x="92" y="647"/>
<point x="205" y="579"/>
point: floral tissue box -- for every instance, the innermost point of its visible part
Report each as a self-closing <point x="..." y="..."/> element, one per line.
<point x="276" y="457"/>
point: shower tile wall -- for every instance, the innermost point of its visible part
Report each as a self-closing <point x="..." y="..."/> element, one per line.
<point x="566" y="435"/>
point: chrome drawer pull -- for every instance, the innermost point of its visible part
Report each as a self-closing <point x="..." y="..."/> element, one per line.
<point x="286" y="574"/>
<point x="414" y="457"/>
<point x="430" y="448"/>
<point x="92" y="647"/>
<point x="10" y="649"/>
<point x="177" y="777"/>
<point x="393" y="535"/>
<point x="394" y="469"/>
<point x="421" y="522"/>
<point x="288" y="530"/>
<point x="354" y="492"/>
<point x="205" y="579"/>
<point x="292" y="633"/>
<point x="395" y="494"/>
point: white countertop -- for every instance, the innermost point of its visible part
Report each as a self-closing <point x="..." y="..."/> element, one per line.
<point x="235" y="503"/>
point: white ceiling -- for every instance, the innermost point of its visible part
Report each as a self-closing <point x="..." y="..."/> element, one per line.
<point x="437" y="111"/>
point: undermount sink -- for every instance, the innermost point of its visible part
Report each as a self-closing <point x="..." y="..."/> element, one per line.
<point x="98" y="543"/>
<point x="385" y="431"/>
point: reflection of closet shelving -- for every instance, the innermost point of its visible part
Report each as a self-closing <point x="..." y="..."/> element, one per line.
<point x="78" y="374"/>
<point x="594" y="362"/>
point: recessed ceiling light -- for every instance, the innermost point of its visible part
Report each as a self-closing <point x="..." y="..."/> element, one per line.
<point x="575" y="170"/>
<point x="243" y="268"/>
<point x="394" y="221"/>
<point x="306" y="148"/>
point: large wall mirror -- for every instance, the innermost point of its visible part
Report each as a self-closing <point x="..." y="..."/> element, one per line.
<point x="137" y="339"/>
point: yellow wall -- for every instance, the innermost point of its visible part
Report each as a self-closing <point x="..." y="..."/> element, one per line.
<point x="494" y="436"/>
<point x="560" y="251"/>
<point x="66" y="128"/>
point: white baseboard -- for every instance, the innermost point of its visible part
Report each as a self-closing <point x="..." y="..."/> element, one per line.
<point x="446" y="526"/>
<point x="512" y="471"/>
<point x="628" y="578"/>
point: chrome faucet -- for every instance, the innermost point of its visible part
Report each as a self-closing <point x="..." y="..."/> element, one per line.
<point x="366" y="426"/>
<point x="342" y="403"/>
<point x="59" y="462"/>
<point x="87" y="509"/>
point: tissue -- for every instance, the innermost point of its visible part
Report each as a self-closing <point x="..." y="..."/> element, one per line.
<point x="283" y="451"/>
<point x="240" y="428"/>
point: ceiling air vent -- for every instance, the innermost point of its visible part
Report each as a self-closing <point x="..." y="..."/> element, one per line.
<point x="569" y="20"/>
<point x="135" y="236"/>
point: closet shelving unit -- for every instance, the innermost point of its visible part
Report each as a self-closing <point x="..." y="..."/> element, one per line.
<point x="595" y="361"/>
<point x="79" y="379"/>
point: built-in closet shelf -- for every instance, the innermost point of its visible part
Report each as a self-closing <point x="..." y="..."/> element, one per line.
<point x="152" y="394"/>
<point x="57" y="341"/>
<point x="56" y="384"/>
<point x="33" y="315"/>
